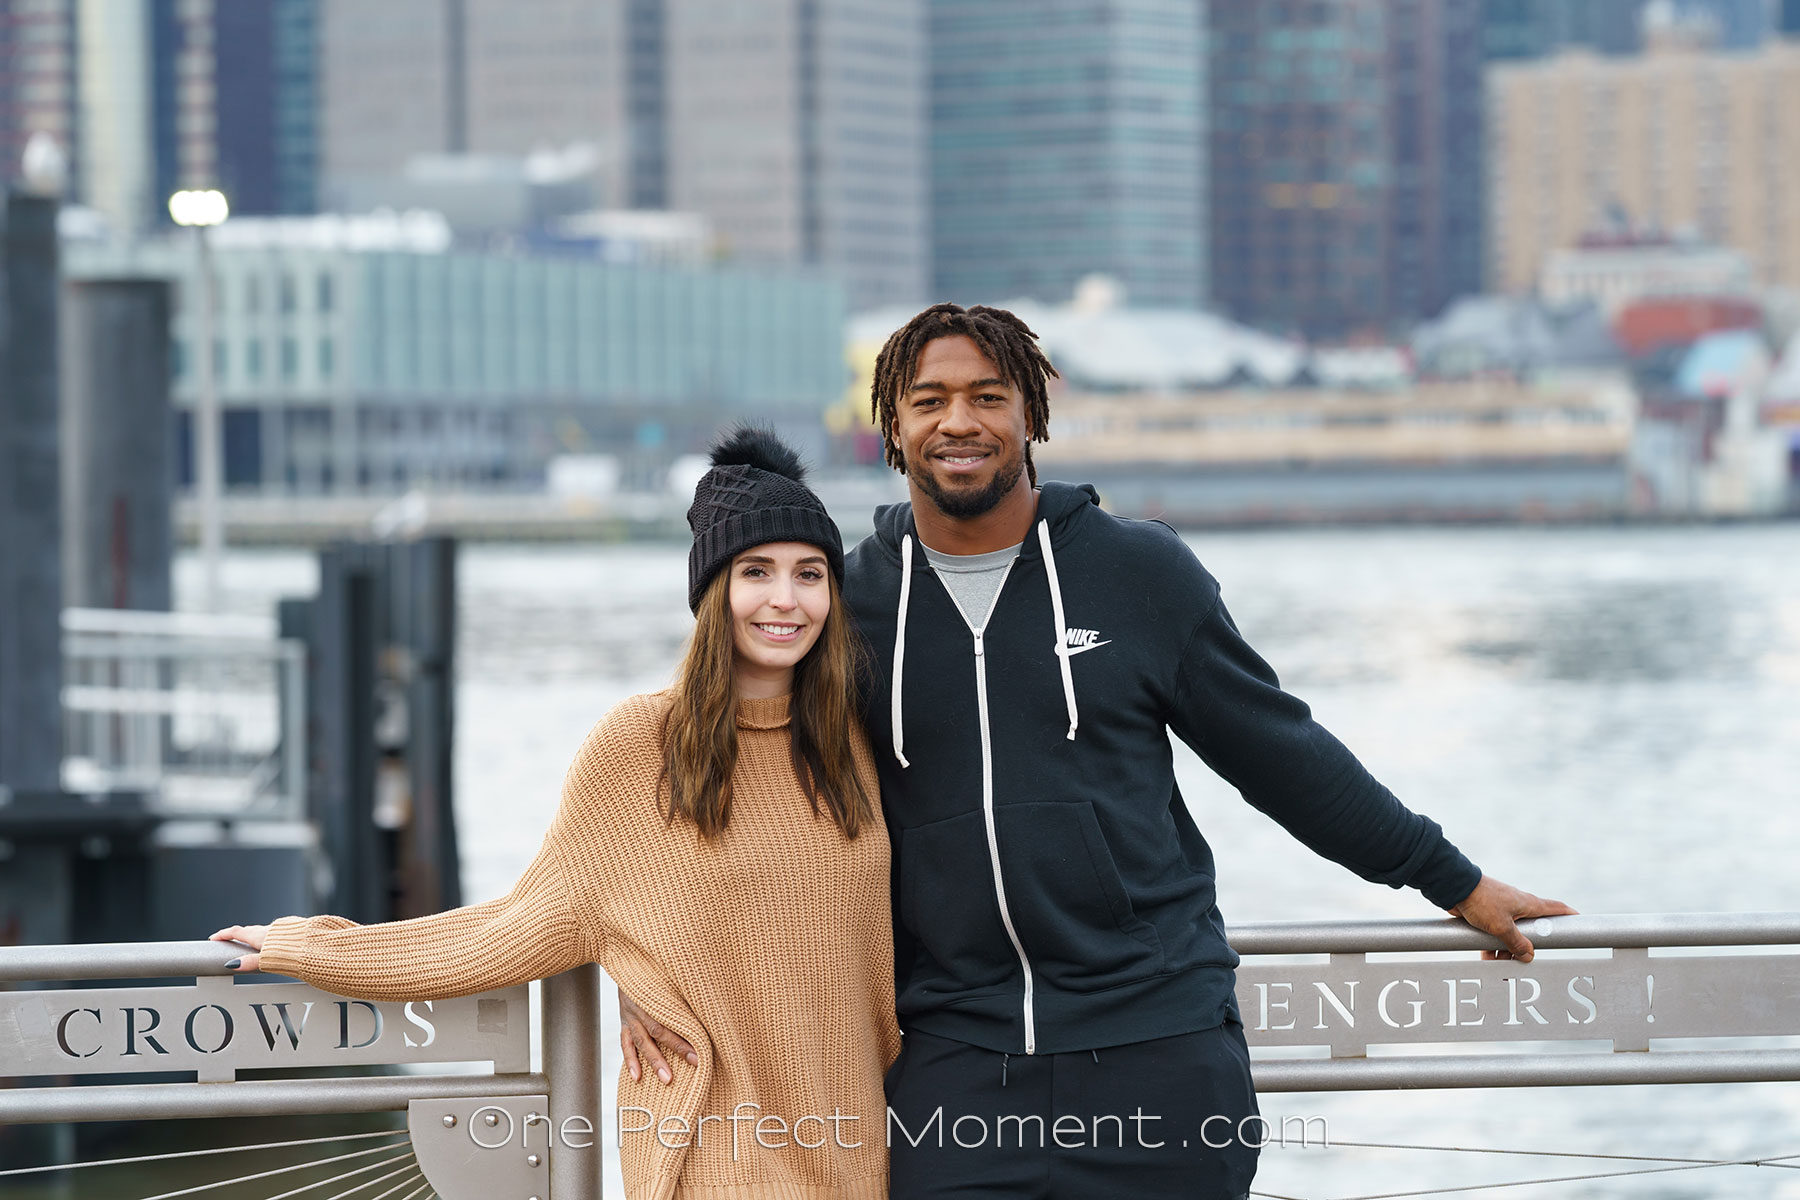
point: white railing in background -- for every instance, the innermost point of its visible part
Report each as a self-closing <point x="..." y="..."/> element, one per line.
<point x="204" y="715"/>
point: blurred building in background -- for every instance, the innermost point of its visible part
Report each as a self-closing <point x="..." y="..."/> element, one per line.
<point x="487" y="199"/>
<point x="191" y="94"/>
<point x="491" y="245"/>
<point x="1613" y="271"/>
<point x="1534" y="28"/>
<point x="1515" y="337"/>
<point x="264" y="115"/>
<point x="797" y="130"/>
<point x="1346" y="162"/>
<point x="37" y="80"/>
<point x="357" y="357"/>
<point x="1067" y="140"/>
<point x="1742" y="24"/>
<point x="406" y="79"/>
<point x="115" y="146"/>
<point x="1682" y="140"/>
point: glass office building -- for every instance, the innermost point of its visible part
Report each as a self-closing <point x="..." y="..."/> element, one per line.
<point x="37" y="79"/>
<point x="1067" y="139"/>
<point x="349" y="371"/>
<point x="1347" y="162"/>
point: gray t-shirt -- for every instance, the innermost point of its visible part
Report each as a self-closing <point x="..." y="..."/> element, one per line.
<point x="973" y="580"/>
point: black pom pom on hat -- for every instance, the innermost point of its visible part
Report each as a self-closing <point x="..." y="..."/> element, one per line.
<point x="754" y="493"/>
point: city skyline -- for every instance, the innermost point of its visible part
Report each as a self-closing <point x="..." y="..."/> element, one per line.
<point x="1327" y="169"/>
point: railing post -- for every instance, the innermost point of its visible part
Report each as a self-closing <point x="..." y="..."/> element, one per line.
<point x="571" y="1059"/>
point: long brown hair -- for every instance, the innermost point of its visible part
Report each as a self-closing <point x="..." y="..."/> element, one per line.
<point x="700" y="730"/>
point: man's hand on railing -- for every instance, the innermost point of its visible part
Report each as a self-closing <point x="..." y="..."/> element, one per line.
<point x="1495" y="907"/>
<point x="249" y="935"/>
<point x="639" y="1035"/>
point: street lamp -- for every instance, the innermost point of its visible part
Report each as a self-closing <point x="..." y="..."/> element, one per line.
<point x="200" y="211"/>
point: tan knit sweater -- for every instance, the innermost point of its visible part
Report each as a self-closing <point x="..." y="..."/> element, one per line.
<point x="769" y="949"/>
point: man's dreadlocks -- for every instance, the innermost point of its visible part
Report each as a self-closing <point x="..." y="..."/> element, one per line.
<point x="1008" y="343"/>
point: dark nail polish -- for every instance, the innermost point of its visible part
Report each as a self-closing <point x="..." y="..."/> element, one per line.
<point x="234" y="964"/>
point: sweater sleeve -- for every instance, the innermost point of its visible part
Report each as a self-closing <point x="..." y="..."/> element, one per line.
<point x="1230" y="708"/>
<point x="531" y="932"/>
<point x="545" y="925"/>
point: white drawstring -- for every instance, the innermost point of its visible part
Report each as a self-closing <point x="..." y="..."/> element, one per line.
<point x="1062" y="630"/>
<point x="906" y="557"/>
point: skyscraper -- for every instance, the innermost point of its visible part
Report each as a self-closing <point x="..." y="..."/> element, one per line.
<point x="37" y="78"/>
<point x="235" y="88"/>
<point x="116" y="147"/>
<point x="192" y="93"/>
<point x="392" y="84"/>
<point x="646" y="105"/>
<point x="1346" y="161"/>
<point x="797" y="127"/>
<point x="1068" y="139"/>
<point x="1518" y="28"/>
<point x="1532" y="28"/>
<point x="1678" y="140"/>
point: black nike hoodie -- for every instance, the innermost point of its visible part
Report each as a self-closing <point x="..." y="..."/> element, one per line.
<point x="1051" y="890"/>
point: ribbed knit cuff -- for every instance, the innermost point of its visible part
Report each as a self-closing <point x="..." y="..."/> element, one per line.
<point x="1447" y="877"/>
<point x="284" y="948"/>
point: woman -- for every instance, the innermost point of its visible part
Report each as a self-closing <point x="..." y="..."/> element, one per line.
<point x="718" y="851"/>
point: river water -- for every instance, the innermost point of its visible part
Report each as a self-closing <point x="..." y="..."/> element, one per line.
<point x="1607" y="716"/>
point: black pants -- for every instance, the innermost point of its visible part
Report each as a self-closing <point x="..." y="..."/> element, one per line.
<point x="1126" y="1121"/>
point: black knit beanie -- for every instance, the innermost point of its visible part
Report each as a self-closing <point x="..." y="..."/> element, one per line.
<point x="752" y="495"/>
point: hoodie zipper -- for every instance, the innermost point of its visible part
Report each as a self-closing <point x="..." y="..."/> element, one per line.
<point x="987" y="797"/>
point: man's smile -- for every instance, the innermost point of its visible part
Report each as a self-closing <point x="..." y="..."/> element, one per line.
<point x="962" y="459"/>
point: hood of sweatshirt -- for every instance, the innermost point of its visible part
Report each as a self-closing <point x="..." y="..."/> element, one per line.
<point x="1059" y="504"/>
<point x="1060" y="509"/>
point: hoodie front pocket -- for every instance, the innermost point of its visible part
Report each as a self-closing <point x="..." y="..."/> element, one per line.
<point x="947" y="904"/>
<point x="1067" y="901"/>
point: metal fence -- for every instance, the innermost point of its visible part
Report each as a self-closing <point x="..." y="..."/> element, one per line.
<point x="456" y="1143"/>
<point x="204" y="715"/>
<point x="1379" y="1003"/>
<point x="1586" y="1010"/>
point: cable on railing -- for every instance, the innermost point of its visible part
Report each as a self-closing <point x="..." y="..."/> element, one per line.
<point x="1784" y="1160"/>
<point x="398" y="1186"/>
<point x="207" y="1187"/>
<point x="145" y="1158"/>
<point x="1656" y="1158"/>
<point x="411" y="1171"/>
<point x="408" y="1162"/>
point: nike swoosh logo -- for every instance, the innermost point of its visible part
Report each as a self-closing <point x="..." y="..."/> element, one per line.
<point x="1074" y="650"/>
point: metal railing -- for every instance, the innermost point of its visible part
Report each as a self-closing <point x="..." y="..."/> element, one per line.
<point x="204" y="715"/>
<point x="1587" y="1010"/>
<point x="1627" y="997"/>
<point x="218" y="1026"/>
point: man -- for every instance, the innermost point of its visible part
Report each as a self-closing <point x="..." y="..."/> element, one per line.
<point x="1061" y="969"/>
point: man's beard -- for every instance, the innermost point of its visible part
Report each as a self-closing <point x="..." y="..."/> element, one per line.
<point x="963" y="503"/>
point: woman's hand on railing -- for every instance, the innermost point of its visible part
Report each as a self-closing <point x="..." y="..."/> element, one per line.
<point x="249" y="935"/>
<point x="639" y="1033"/>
